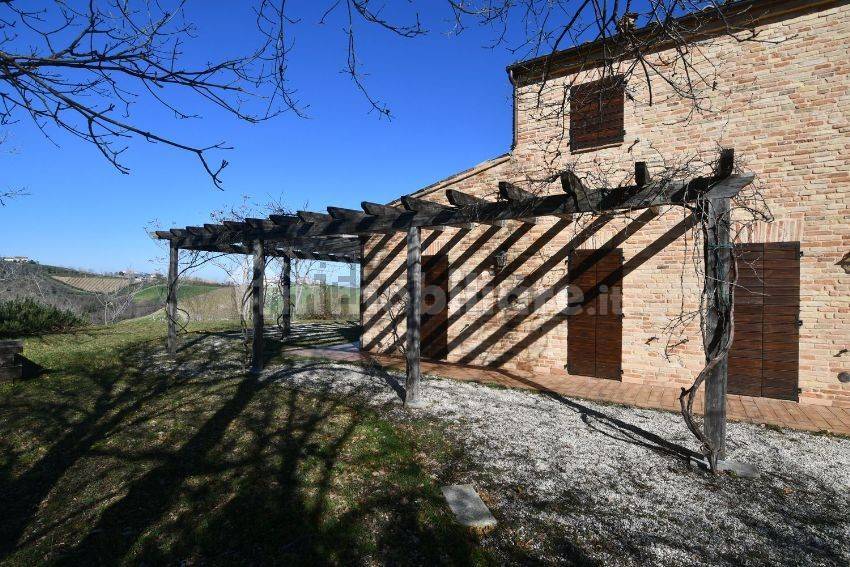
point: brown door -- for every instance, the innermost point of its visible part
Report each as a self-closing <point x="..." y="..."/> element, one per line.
<point x="435" y="306"/>
<point x="595" y="324"/>
<point x="764" y="357"/>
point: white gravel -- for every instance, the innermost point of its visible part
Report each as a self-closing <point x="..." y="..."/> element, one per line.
<point x="573" y="481"/>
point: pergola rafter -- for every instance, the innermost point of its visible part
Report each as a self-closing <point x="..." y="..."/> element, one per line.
<point x="336" y="236"/>
<point x="341" y="214"/>
<point x="461" y="199"/>
<point x="415" y="205"/>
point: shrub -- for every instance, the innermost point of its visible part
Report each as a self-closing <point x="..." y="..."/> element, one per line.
<point x="27" y="317"/>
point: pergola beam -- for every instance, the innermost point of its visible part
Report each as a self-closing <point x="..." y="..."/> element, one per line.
<point x="416" y="205"/>
<point x="461" y="199"/>
<point x="303" y="255"/>
<point x="655" y="193"/>
<point x="352" y="215"/>
<point x="511" y="193"/>
<point x="187" y="239"/>
<point x="274" y="252"/>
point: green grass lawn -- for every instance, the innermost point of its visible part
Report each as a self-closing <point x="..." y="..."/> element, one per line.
<point x="118" y="454"/>
<point x="158" y="292"/>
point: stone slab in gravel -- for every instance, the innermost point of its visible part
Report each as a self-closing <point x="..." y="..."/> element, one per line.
<point x="467" y="506"/>
<point x="584" y="482"/>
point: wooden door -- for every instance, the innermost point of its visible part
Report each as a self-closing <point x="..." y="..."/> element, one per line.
<point x="435" y="307"/>
<point x="764" y="357"/>
<point x="595" y="323"/>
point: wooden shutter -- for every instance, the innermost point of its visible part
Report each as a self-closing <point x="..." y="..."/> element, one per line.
<point x="595" y="326"/>
<point x="781" y="344"/>
<point x="581" y="324"/>
<point x="435" y="307"/>
<point x="764" y="359"/>
<point x="596" y="113"/>
<point x="609" y="319"/>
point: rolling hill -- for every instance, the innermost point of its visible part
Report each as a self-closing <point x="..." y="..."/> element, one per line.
<point x="94" y="284"/>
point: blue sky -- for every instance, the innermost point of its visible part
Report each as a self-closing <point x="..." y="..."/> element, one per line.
<point x="450" y="97"/>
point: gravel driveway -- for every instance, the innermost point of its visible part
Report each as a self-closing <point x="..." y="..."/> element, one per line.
<point x="581" y="482"/>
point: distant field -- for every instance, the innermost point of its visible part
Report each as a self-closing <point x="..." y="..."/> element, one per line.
<point x="221" y="303"/>
<point x="61" y="271"/>
<point x="93" y="284"/>
<point x="316" y="301"/>
<point x="157" y="293"/>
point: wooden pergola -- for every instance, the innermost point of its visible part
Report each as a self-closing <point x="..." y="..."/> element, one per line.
<point x="337" y="236"/>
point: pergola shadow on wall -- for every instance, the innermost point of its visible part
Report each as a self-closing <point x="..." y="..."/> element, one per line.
<point x="339" y="236"/>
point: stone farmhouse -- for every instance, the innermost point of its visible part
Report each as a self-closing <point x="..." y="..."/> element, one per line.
<point x="504" y="295"/>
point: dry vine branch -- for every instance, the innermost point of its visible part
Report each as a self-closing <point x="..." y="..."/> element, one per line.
<point x="723" y="303"/>
<point x="746" y="209"/>
<point x="80" y="67"/>
<point x="196" y="260"/>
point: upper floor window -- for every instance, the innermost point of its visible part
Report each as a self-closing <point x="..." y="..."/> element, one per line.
<point x="596" y="113"/>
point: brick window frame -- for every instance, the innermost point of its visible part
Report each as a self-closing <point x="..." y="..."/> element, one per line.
<point x="597" y="114"/>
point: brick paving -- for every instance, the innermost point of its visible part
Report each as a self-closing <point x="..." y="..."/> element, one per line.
<point x="780" y="413"/>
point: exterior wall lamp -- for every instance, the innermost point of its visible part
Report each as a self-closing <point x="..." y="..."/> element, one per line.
<point x="845" y="263"/>
<point x="500" y="260"/>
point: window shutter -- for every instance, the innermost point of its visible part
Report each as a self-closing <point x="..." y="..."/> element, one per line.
<point x="596" y="113"/>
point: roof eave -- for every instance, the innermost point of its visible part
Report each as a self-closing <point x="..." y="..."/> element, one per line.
<point x="591" y="54"/>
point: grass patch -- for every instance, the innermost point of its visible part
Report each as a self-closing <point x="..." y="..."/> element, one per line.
<point x="119" y="454"/>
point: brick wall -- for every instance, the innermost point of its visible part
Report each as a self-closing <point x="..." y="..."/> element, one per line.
<point x="784" y="107"/>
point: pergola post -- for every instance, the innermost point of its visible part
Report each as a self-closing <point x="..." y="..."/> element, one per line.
<point x="171" y="297"/>
<point x="286" y="291"/>
<point x="257" y="306"/>
<point x="718" y="262"/>
<point x="362" y="294"/>
<point x="414" y="297"/>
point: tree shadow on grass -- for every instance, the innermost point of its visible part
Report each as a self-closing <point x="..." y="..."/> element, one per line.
<point x="67" y="420"/>
<point x="146" y="460"/>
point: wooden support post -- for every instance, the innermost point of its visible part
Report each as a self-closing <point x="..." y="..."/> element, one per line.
<point x="257" y="306"/>
<point x="171" y="297"/>
<point x="641" y="174"/>
<point x="414" y="297"/>
<point x="286" y="292"/>
<point x="718" y="264"/>
<point x="363" y="241"/>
